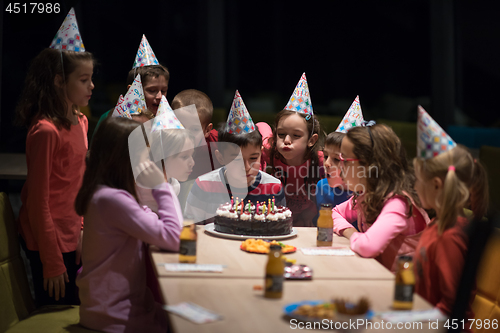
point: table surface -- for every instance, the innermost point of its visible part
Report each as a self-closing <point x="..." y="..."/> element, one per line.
<point x="246" y="310"/>
<point x="13" y="166"/>
<point x="240" y="264"/>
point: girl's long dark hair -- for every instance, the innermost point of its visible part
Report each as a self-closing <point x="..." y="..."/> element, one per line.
<point x="109" y="161"/>
<point x="41" y="98"/>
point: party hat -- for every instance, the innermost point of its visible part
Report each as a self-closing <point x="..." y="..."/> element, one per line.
<point x="119" y="110"/>
<point x="301" y="99"/>
<point x="432" y="140"/>
<point x="165" y="117"/>
<point x="134" y="102"/>
<point x="352" y="118"/>
<point x="145" y="55"/>
<point x="68" y="36"/>
<point x="239" y="120"/>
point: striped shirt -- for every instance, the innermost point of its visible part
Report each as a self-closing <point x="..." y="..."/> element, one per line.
<point x="211" y="190"/>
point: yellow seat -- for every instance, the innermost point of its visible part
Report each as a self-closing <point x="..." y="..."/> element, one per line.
<point x="486" y="305"/>
<point x="17" y="309"/>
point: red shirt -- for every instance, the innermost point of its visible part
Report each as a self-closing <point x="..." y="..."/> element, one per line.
<point x="438" y="264"/>
<point x="56" y="162"/>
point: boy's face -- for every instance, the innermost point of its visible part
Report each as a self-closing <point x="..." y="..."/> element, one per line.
<point x="332" y="165"/>
<point x="154" y="88"/>
<point x="242" y="162"/>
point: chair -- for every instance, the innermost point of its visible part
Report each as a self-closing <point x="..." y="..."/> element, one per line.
<point x="17" y="309"/>
<point x="486" y="305"/>
<point x="490" y="159"/>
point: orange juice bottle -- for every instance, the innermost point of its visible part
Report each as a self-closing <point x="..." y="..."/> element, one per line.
<point x="187" y="249"/>
<point x="405" y="284"/>
<point x="325" y="226"/>
<point x="274" y="273"/>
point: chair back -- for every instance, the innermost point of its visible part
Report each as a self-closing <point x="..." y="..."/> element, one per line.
<point x="486" y="305"/>
<point x="16" y="301"/>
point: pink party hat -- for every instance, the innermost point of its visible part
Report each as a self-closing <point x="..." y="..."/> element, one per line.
<point x="68" y="36"/>
<point x="145" y="55"/>
<point x="352" y="118"/>
<point x="165" y="117"/>
<point x="432" y="140"/>
<point x="119" y="110"/>
<point x="301" y="99"/>
<point x="239" y="120"/>
<point x="134" y="102"/>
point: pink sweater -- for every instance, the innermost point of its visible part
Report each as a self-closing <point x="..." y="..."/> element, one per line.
<point x="113" y="292"/>
<point x="391" y="235"/>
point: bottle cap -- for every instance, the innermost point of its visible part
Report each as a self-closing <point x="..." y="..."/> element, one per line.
<point x="275" y="247"/>
<point x="405" y="258"/>
<point x="326" y="206"/>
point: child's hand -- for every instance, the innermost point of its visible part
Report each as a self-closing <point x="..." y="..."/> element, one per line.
<point x="56" y="285"/>
<point x="150" y="175"/>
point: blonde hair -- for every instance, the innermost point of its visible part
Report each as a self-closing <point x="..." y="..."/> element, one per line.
<point x="464" y="183"/>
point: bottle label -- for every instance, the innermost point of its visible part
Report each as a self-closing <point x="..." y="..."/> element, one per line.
<point x="325" y="234"/>
<point x="404" y="292"/>
<point x="187" y="247"/>
<point x="274" y="283"/>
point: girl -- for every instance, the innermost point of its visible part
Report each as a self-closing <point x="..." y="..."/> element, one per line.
<point x="294" y="158"/>
<point x="113" y="292"/>
<point x="56" y="85"/>
<point x="374" y="167"/>
<point x="176" y="149"/>
<point x="447" y="183"/>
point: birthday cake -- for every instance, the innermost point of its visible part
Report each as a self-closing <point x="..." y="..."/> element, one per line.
<point x="250" y="220"/>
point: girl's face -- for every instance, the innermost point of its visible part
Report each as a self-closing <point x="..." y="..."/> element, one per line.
<point x="292" y="139"/>
<point x="79" y="84"/>
<point x="428" y="190"/>
<point x="180" y="166"/>
<point x="353" y="174"/>
<point x="332" y="165"/>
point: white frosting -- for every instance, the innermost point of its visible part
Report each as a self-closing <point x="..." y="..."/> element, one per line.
<point x="245" y="217"/>
<point x="287" y="212"/>
<point x="232" y="215"/>
<point x="222" y="212"/>
<point x="281" y="216"/>
<point x="259" y="217"/>
<point x="272" y="217"/>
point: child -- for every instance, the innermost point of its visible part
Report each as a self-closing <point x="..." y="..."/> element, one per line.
<point x="57" y="84"/>
<point x="112" y="284"/>
<point x="445" y="183"/>
<point x="332" y="189"/>
<point x="293" y="155"/>
<point x="374" y="166"/>
<point x="239" y="150"/>
<point x="155" y="78"/>
<point x="199" y="123"/>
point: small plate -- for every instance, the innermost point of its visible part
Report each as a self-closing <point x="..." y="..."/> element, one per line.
<point x="210" y="228"/>
<point x="292" y="250"/>
<point x="289" y="310"/>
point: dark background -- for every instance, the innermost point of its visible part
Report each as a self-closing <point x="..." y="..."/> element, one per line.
<point x="394" y="54"/>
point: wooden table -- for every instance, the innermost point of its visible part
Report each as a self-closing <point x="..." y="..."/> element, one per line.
<point x="13" y="166"/>
<point x="246" y="310"/>
<point x="240" y="264"/>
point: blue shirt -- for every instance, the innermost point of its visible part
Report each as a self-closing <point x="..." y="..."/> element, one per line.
<point x="332" y="195"/>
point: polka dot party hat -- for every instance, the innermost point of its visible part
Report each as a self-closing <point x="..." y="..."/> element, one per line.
<point x="68" y="36"/>
<point x="239" y="120"/>
<point x="165" y="117"/>
<point x="134" y="102"/>
<point x="301" y="99"/>
<point x="119" y="110"/>
<point x="432" y="140"/>
<point x="352" y="118"/>
<point x="145" y="55"/>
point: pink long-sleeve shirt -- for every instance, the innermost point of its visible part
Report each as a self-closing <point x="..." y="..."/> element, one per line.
<point x="113" y="292"/>
<point x="392" y="234"/>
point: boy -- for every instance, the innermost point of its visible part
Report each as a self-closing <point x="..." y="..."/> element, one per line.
<point x="240" y="152"/>
<point x="200" y="125"/>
